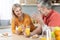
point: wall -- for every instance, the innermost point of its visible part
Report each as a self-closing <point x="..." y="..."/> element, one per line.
<point x="29" y="9"/>
<point x="26" y="9"/>
<point x="56" y="8"/>
<point x="5" y="11"/>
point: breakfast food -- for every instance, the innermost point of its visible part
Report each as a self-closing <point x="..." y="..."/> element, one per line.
<point x="43" y="38"/>
<point x="5" y="34"/>
<point x="58" y="38"/>
<point x="57" y="33"/>
<point x="52" y="34"/>
<point x="34" y="36"/>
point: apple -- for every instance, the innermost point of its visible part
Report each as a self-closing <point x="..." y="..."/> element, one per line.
<point x="52" y="34"/>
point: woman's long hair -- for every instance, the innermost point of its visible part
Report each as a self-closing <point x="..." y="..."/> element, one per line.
<point x="13" y="8"/>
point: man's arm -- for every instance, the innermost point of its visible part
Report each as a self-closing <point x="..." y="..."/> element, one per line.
<point x="38" y="30"/>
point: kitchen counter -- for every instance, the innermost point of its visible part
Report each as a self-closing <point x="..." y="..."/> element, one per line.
<point x="17" y="37"/>
<point x="14" y="36"/>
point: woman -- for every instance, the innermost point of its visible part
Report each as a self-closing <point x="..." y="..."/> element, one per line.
<point x="20" y="18"/>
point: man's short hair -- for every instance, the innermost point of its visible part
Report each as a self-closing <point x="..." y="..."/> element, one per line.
<point x="45" y="3"/>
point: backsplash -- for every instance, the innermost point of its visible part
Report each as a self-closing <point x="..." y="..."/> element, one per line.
<point x="29" y="9"/>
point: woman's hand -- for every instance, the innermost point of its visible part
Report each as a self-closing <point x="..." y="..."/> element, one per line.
<point x="18" y="32"/>
<point x="23" y="29"/>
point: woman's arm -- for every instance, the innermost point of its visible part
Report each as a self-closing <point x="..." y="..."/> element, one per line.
<point x="13" y="26"/>
<point x="28" y="23"/>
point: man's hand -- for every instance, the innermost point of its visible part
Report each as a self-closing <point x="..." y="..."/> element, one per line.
<point x="38" y="17"/>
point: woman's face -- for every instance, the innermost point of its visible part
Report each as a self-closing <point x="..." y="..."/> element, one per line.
<point x="18" y="12"/>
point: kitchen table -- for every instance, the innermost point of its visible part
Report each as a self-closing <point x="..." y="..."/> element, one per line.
<point x="16" y="37"/>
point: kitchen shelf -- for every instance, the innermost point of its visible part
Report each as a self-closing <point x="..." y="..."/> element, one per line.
<point x="55" y="4"/>
<point x="28" y="4"/>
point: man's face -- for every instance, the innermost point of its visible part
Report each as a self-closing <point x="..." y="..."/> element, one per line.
<point x="43" y="10"/>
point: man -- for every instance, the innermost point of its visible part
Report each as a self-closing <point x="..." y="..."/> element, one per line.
<point x="47" y="17"/>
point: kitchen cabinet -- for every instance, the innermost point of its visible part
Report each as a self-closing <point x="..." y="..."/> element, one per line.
<point x="28" y="2"/>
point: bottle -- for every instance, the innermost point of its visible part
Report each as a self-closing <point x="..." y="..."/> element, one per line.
<point x="48" y="33"/>
<point x="44" y="27"/>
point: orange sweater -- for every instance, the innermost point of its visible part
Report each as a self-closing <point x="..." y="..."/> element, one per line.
<point x="26" y="22"/>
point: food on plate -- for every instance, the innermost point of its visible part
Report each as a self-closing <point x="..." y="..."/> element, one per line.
<point x="57" y="33"/>
<point x="43" y="38"/>
<point x="5" y="34"/>
<point x="34" y="36"/>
